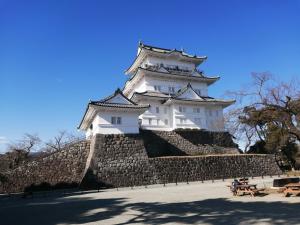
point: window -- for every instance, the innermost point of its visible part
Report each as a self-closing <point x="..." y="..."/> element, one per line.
<point x="119" y="120"/>
<point x="116" y="120"/>
<point x="166" y="122"/>
<point x="171" y="90"/>
<point x="198" y="91"/>
<point x="196" y="110"/>
<point x="91" y="126"/>
<point x="157" y="88"/>
<point x="157" y="109"/>
<point x="181" y="109"/>
<point x="182" y="121"/>
<point x="150" y="121"/>
<point x="157" y="122"/>
<point x="209" y="112"/>
<point x="165" y="110"/>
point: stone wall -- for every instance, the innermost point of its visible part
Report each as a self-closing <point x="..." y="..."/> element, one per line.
<point x="187" y="142"/>
<point x="61" y="169"/>
<point x="127" y="160"/>
<point x="121" y="160"/>
<point x="197" y="168"/>
<point x="118" y="160"/>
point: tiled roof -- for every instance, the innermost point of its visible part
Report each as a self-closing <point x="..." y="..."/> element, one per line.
<point x="202" y="77"/>
<point x="184" y="89"/>
<point x="165" y="69"/>
<point x="104" y="103"/>
<point x="114" y="105"/>
<point x="153" y="94"/>
<point x="163" y="51"/>
<point x="168" y="97"/>
<point x="118" y="91"/>
<point x="166" y="50"/>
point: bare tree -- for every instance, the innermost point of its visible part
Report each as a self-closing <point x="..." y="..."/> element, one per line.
<point x="59" y="142"/>
<point x="19" y="151"/>
<point x="27" y="144"/>
<point x="266" y="107"/>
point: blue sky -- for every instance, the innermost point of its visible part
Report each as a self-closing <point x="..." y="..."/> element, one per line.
<point x="56" y="55"/>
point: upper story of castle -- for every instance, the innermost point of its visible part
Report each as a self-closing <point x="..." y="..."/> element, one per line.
<point x="172" y="60"/>
<point x="166" y="71"/>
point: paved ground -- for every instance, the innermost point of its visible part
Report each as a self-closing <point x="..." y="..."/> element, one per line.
<point x="196" y="203"/>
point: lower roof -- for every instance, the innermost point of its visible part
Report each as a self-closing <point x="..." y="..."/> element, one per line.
<point x="168" y="98"/>
<point x="105" y="104"/>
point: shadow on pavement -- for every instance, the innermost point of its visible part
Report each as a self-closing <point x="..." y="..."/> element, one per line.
<point x="80" y="210"/>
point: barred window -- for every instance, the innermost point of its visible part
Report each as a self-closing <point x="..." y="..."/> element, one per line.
<point x="116" y="120"/>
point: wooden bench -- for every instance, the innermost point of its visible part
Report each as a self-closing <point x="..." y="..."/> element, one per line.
<point x="245" y="189"/>
<point x="244" y="180"/>
<point x="291" y="189"/>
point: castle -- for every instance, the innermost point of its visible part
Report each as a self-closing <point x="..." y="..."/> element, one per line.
<point x="165" y="91"/>
<point x="133" y="137"/>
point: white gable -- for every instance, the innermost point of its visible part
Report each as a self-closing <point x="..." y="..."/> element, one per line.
<point x="161" y="69"/>
<point x="119" y="99"/>
<point x="189" y="94"/>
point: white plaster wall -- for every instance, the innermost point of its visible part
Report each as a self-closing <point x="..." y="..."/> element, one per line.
<point x="201" y="119"/>
<point x="150" y="82"/>
<point x="139" y="87"/>
<point x="158" y="118"/>
<point x="102" y="123"/>
<point x="215" y="118"/>
<point x="168" y="62"/>
<point x="119" y="99"/>
<point x="193" y="119"/>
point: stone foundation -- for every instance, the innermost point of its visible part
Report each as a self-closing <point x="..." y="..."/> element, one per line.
<point x="135" y="159"/>
<point x="118" y="160"/>
<point x="197" y="168"/>
<point x="187" y="142"/>
<point x="63" y="169"/>
<point x="121" y="160"/>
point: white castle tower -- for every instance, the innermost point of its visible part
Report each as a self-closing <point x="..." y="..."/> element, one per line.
<point x="165" y="91"/>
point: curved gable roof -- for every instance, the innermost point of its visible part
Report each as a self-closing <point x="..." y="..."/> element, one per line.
<point x="143" y="49"/>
